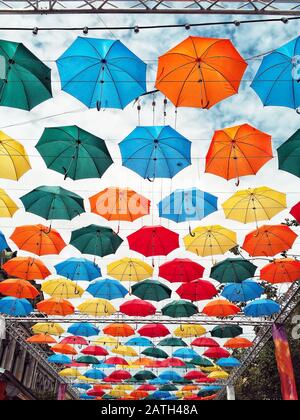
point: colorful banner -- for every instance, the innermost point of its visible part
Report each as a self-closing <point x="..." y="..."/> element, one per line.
<point x="285" y="364"/>
<point x="62" y="389"/>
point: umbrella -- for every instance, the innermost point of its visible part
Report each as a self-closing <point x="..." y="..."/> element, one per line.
<point x="15" y="307"/>
<point x="173" y="362"/>
<point x="288" y="155"/>
<point x="38" y="239"/>
<point x="276" y="81"/>
<point x="170" y="375"/>
<point x="87" y="360"/>
<point x="185" y="353"/>
<point x="238" y="343"/>
<point x="107" y="289"/>
<point x="154" y="330"/>
<point x="189" y="330"/>
<point x="74" y="152"/>
<point x="83" y="329"/>
<point x="284" y="270"/>
<point x="82" y="386"/>
<point x="172" y="342"/>
<point x="155" y="353"/>
<point x="208" y="390"/>
<point x="151" y="153"/>
<point x="242" y="292"/>
<point x="3" y="243"/>
<point x="14" y="162"/>
<point x="139" y="342"/>
<point x="216" y="353"/>
<point x="102" y="73"/>
<point x="269" y="240"/>
<point x="130" y="269"/>
<point x="230" y="362"/>
<point x="106" y="341"/>
<point x="254" y="204"/>
<point x="56" y="306"/>
<point x="119" y="330"/>
<point x="142" y="361"/>
<point x="220" y="308"/>
<point x="205" y="342"/>
<point x="181" y="271"/>
<point x="233" y="270"/>
<point x="62" y="288"/>
<point x="194" y="374"/>
<point x="153" y="241"/>
<point x="48" y="328"/>
<point x="137" y="307"/>
<point x="61" y="359"/>
<point x="200" y="72"/>
<point x="41" y="339"/>
<point x="147" y="387"/>
<point x="114" y="361"/>
<point x="207" y="241"/>
<point x="27" y="81"/>
<point x="187" y="205"/>
<point x="94" y="374"/>
<point x="120" y="375"/>
<point x="99" y="394"/>
<point x="262" y="307"/>
<point x="202" y="362"/>
<point x="197" y="290"/>
<point x="18" y="288"/>
<point x="227" y="331"/>
<point x="238" y="151"/>
<point x="7" y="206"/>
<point x="74" y="340"/>
<point x="53" y="203"/>
<point x="70" y="373"/>
<point x="179" y="309"/>
<point x="160" y="395"/>
<point x="144" y="375"/>
<point x="151" y="290"/>
<point x="64" y="349"/>
<point x="219" y="375"/>
<point x="26" y="268"/>
<point x="97" y="307"/>
<point x="96" y="240"/>
<point x="78" y="269"/>
<point x="95" y="351"/>
<point x="295" y="212"/>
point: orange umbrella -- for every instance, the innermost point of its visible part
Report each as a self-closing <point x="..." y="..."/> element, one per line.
<point x="269" y="240"/>
<point x="64" y="349"/>
<point x="120" y="204"/>
<point x="187" y="388"/>
<point x="220" y="308"/>
<point x="56" y="306"/>
<point x="284" y="270"/>
<point x="238" y="343"/>
<point x="142" y="361"/>
<point x="238" y="151"/>
<point x="139" y="394"/>
<point x="38" y="239"/>
<point x="26" y="268"/>
<point x="119" y="330"/>
<point x="18" y="288"/>
<point x="200" y="72"/>
<point x="41" y="339"/>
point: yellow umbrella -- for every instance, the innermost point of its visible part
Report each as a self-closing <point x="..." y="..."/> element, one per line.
<point x="184" y="394"/>
<point x="254" y="205"/>
<point x="130" y="269"/>
<point x="83" y="378"/>
<point x="124" y="387"/>
<point x="7" y="206"/>
<point x="48" y="328"/>
<point x="14" y="162"/>
<point x="70" y="373"/>
<point x="106" y="341"/>
<point x="219" y="375"/>
<point x="208" y="369"/>
<point x="132" y="366"/>
<point x="118" y="394"/>
<point x="62" y="288"/>
<point x="189" y="330"/>
<point x="125" y="351"/>
<point x="210" y="240"/>
<point x="97" y="307"/>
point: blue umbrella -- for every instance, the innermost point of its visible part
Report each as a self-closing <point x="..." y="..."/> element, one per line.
<point x="86" y="397"/>
<point x="156" y="152"/>
<point x="107" y="289"/>
<point x="187" y="205"/>
<point x="262" y="307"/>
<point x="277" y="80"/>
<point x="243" y="292"/>
<point x="15" y="307"/>
<point x="102" y="365"/>
<point x="208" y="390"/>
<point x="139" y="342"/>
<point x="160" y="395"/>
<point x="170" y="375"/>
<point x="230" y="362"/>
<point x="102" y="73"/>
<point x="3" y="243"/>
<point x="83" y="329"/>
<point x="185" y="353"/>
<point x="158" y="381"/>
<point x="59" y="359"/>
<point x="84" y="386"/>
<point x="78" y="269"/>
<point x="95" y="374"/>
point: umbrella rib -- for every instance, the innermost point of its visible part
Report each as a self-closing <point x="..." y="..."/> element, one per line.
<point x="115" y="85"/>
<point x="139" y="82"/>
<point x="275" y="81"/>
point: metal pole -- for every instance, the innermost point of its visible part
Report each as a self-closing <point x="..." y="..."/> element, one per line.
<point x="230" y="393"/>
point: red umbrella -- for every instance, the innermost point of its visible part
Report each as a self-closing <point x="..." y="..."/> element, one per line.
<point x="137" y="307"/>
<point x="295" y="212"/>
<point x="110" y="380"/>
<point x="153" y="241"/>
<point x="181" y="271"/>
<point x="154" y="330"/>
<point x="195" y="374"/>
<point x="197" y="290"/>
<point x="120" y="375"/>
<point x="172" y="362"/>
<point x="217" y="353"/>
<point x="95" y="393"/>
<point x="116" y="361"/>
<point x="147" y="387"/>
<point x="205" y="342"/>
<point x="80" y="341"/>
<point x="155" y="364"/>
<point x="76" y="365"/>
<point x="95" y="351"/>
<point x="206" y="381"/>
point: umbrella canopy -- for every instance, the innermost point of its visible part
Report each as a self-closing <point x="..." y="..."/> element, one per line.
<point x="200" y="72"/>
<point x="38" y="239"/>
<point x="78" y="269"/>
<point x="181" y="271"/>
<point x="26" y="268"/>
<point x="170" y="375"/>
<point x="94" y="374"/>
<point x="172" y="342"/>
<point x="144" y="375"/>
<point x="295" y="212"/>
<point x="194" y="374"/>
<point x="96" y="240"/>
<point x="288" y="155"/>
<point x="83" y="329"/>
<point x="87" y="360"/>
<point x="139" y="342"/>
<point x="227" y="331"/>
<point x="202" y="362"/>
<point x="106" y="341"/>
<point x="238" y="151"/>
<point x="120" y="375"/>
<point x="74" y="340"/>
<point x="219" y="375"/>
<point x="15" y="307"/>
<point x="205" y="342"/>
<point x="14" y="162"/>
<point x="233" y="270"/>
<point x="228" y="363"/>
<point x="238" y="343"/>
<point x="242" y="292"/>
<point x="18" y="288"/>
<point x="154" y="330"/>
<point x="56" y="306"/>
<point x="95" y="351"/>
<point x="97" y="307"/>
<point x="41" y="339"/>
<point x="151" y="290"/>
<point x="70" y="373"/>
<point x="107" y="289"/>
<point x="197" y="290"/>
<point x="130" y="269"/>
<point x="216" y="353"/>
<point x="185" y="353"/>
<point x="137" y="307"/>
<point x="153" y="241"/>
<point x="151" y="153"/>
<point x="62" y="288"/>
<point x="74" y="152"/>
<point x="254" y="204"/>
<point x="27" y="81"/>
<point x="284" y="270"/>
<point x="3" y="243"/>
<point x="187" y="205"/>
<point x="48" y="328"/>
<point x="102" y="73"/>
<point x="7" y="206"/>
<point x="220" y="308"/>
<point x="119" y="330"/>
<point x="172" y="362"/>
<point x="189" y="330"/>
<point x="155" y="352"/>
<point x="61" y="359"/>
<point x="207" y="241"/>
<point x="262" y="307"/>
<point x="179" y="309"/>
<point x="269" y="240"/>
<point x="275" y="81"/>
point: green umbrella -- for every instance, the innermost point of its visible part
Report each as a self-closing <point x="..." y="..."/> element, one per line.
<point x="132" y="381"/>
<point x="288" y="155"/>
<point x="180" y="309"/>
<point x="155" y="352"/>
<point x="89" y="360"/>
<point x="202" y="361"/>
<point x="168" y="388"/>
<point x="189" y="365"/>
<point x="26" y="81"/>
<point x="233" y="270"/>
<point x="53" y="203"/>
<point x="96" y="240"/>
<point x="227" y="331"/>
<point x="145" y="375"/>
<point x="172" y="342"/>
<point x="183" y="381"/>
<point x="74" y="152"/>
<point x="151" y="290"/>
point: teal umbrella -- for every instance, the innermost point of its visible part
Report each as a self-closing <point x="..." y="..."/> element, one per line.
<point x="288" y="154"/>
<point x="227" y="331"/>
<point x="26" y="81"/>
<point x="202" y="362"/>
<point x="96" y="240"/>
<point x="180" y="309"/>
<point x="172" y="342"/>
<point x="145" y="375"/>
<point x="155" y="353"/>
<point x="89" y="360"/>
<point x="74" y="152"/>
<point x="151" y="290"/>
<point x="53" y="203"/>
<point x="233" y="270"/>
